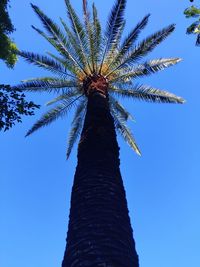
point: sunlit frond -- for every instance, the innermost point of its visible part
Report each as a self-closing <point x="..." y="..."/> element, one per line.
<point x="147" y="93"/>
<point x="76" y="125"/>
<point x="114" y="22"/>
<point x="130" y="40"/>
<point x="125" y="132"/>
<point x="145" y="69"/>
<point x="114" y="50"/>
<point x="145" y="47"/>
<point x="79" y="31"/>
<point x="74" y="46"/>
<point x="62" y="46"/>
<point x="97" y="36"/>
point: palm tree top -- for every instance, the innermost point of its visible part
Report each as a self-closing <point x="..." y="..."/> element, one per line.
<point x="89" y="59"/>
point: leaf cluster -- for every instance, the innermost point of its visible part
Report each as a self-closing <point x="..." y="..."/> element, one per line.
<point x="12" y="106"/>
<point x="7" y="46"/>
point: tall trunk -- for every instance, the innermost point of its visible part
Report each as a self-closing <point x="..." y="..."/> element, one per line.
<point x="99" y="232"/>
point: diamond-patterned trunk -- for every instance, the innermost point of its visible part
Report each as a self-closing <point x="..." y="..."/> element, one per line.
<point x="99" y="232"/>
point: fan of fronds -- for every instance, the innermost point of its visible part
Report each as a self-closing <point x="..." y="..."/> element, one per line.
<point x="83" y="50"/>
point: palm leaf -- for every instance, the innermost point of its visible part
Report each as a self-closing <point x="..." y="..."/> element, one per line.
<point x="149" y="94"/>
<point x="96" y="35"/>
<point x="115" y="21"/>
<point x="65" y="96"/>
<point x="48" y="24"/>
<point x="61" y="44"/>
<point x="130" y="39"/>
<point x="143" y="48"/>
<point x="53" y="30"/>
<point x="43" y="62"/>
<point x="46" y="85"/>
<point x="76" y="127"/>
<point x="119" y="109"/>
<point x="146" y="68"/>
<point x="74" y="46"/>
<point x="67" y="65"/>
<point x="53" y="114"/>
<point x="125" y="132"/>
<point x="114" y="50"/>
<point x="89" y="27"/>
<point x="78" y="30"/>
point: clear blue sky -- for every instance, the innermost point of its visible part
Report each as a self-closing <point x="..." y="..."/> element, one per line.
<point x="162" y="186"/>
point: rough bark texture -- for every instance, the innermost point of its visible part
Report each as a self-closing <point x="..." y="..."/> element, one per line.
<point x="99" y="232"/>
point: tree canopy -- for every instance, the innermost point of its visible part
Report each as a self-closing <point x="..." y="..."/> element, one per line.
<point x="12" y="102"/>
<point x="12" y="106"/>
<point x="7" y="46"/>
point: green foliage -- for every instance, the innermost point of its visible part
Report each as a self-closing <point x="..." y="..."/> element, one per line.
<point x="7" y="50"/>
<point x="192" y="12"/>
<point x="194" y="28"/>
<point x="12" y="106"/>
<point x="7" y="46"/>
<point x="85" y="51"/>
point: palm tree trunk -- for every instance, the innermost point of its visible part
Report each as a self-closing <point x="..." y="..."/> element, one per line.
<point x="99" y="232"/>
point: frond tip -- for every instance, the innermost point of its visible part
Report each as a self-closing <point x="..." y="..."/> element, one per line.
<point x="149" y="94"/>
<point x="125" y="132"/>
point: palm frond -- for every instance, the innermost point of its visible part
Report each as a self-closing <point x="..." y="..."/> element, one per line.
<point x="46" y="85"/>
<point x="43" y="62"/>
<point x="89" y="28"/>
<point x="55" y="34"/>
<point x="130" y="39"/>
<point x="78" y="31"/>
<point x="143" y="48"/>
<point x="146" y="68"/>
<point x="124" y="131"/>
<point x="147" y="93"/>
<point x="53" y="114"/>
<point x="73" y="45"/>
<point x="114" y="49"/>
<point x="85" y="10"/>
<point x="62" y="46"/>
<point x="96" y="35"/>
<point x="65" y="96"/>
<point x="119" y="109"/>
<point x="150" y="43"/>
<point x="70" y="69"/>
<point x="48" y="23"/>
<point x="115" y="21"/>
<point x="76" y="126"/>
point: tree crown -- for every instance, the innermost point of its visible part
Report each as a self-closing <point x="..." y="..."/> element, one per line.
<point x="89" y="59"/>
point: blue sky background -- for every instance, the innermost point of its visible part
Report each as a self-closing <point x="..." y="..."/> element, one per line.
<point x="162" y="186"/>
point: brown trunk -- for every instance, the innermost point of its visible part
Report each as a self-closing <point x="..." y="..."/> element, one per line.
<point x="99" y="232"/>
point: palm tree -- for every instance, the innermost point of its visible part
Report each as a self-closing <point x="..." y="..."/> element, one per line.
<point x="90" y="71"/>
